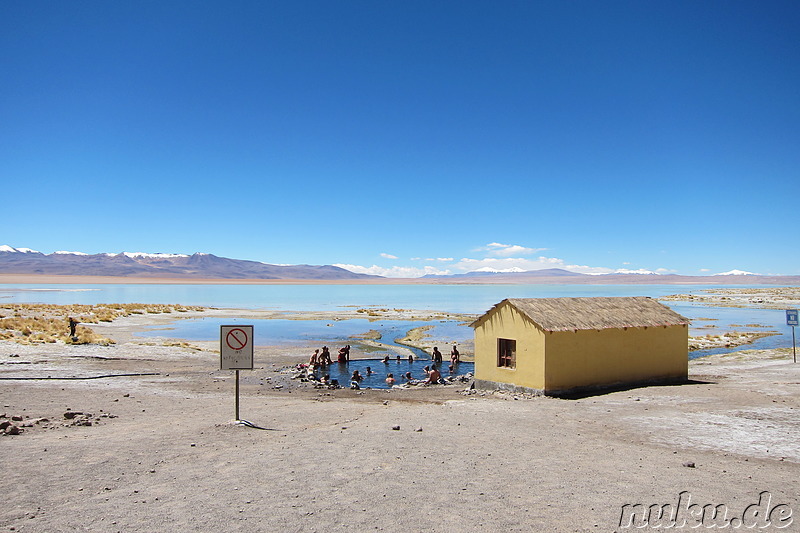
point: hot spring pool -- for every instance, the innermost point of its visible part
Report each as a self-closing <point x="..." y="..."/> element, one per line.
<point x="377" y="380"/>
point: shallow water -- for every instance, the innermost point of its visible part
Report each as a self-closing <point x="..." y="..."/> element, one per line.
<point x="716" y="320"/>
<point x="447" y="298"/>
<point x="377" y="380"/>
<point x="272" y="332"/>
<point x="450" y="298"/>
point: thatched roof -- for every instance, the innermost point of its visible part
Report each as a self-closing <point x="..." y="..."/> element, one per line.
<point x="569" y="314"/>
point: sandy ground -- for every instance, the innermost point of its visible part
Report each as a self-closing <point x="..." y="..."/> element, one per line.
<point x="163" y="453"/>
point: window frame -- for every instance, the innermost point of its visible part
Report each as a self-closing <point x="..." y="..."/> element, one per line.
<point x="506" y="353"/>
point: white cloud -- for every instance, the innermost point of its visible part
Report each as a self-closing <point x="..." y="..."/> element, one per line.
<point x="499" y="259"/>
<point x="519" y="264"/>
<point x="395" y="271"/>
<point x="637" y="271"/>
<point x="507" y="250"/>
<point x="489" y="269"/>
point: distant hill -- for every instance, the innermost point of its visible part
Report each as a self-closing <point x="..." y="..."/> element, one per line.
<point x="543" y="273"/>
<point x="560" y="276"/>
<point x="24" y="261"/>
<point x="179" y="266"/>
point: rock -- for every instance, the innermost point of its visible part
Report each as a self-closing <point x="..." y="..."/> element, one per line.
<point x="4" y="424"/>
<point x="12" y="430"/>
<point x="689" y="464"/>
<point x="395" y="428"/>
<point x="16" y="418"/>
<point x="418" y="430"/>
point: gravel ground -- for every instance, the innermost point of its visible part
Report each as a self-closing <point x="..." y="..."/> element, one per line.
<point x="163" y="452"/>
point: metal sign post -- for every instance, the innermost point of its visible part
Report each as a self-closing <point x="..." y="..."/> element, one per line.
<point x="236" y="352"/>
<point x="792" y="320"/>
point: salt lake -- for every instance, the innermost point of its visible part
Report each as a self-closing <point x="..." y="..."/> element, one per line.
<point x="470" y="299"/>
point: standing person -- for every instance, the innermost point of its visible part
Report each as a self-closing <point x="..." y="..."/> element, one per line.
<point x="72" y="325"/>
<point x="437" y="356"/>
<point x="344" y="354"/>
<point x="454" y="356"/>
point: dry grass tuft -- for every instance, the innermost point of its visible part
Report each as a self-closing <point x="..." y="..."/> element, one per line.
<point x="48" y="323"/>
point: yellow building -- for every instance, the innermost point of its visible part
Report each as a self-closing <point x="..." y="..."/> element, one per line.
<point x="557" y="346"/>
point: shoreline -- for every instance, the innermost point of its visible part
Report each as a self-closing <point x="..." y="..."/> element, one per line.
<point x="57" y="279"/>
<point x="741" y="297"/>
<point x="98" y="317"/>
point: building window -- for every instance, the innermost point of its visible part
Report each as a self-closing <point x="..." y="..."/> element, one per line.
<point x="507" y="353"/>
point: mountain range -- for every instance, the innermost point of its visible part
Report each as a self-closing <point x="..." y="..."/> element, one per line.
<point x="201" y="266"/>
<point x="142" y="265"/>
<point x="560" y="276"/>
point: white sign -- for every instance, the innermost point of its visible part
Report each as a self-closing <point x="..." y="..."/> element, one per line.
<point x="791" y="317"/>
<point x="236" y="347"/>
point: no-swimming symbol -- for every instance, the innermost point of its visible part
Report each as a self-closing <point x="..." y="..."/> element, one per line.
<point x="236" y="339"/>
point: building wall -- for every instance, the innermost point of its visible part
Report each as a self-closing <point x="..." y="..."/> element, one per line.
<point x="588" y="358"/>
<point x="506" y="322"/>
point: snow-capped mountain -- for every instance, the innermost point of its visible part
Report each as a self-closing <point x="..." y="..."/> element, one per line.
<point x="159" y="265"/>
<point x="7" y="248"/>
<point x="736" y="272"/>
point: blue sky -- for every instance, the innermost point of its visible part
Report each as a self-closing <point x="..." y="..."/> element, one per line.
<point x="401" y="138"/>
